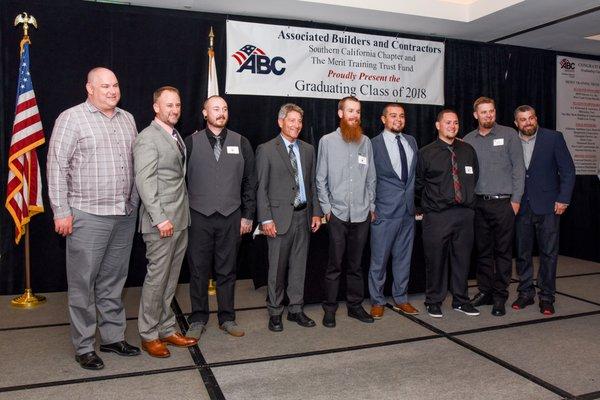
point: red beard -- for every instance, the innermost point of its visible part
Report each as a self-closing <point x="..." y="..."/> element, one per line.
<point x="350" y="133"/>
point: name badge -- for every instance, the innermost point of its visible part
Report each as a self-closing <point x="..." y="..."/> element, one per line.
<point x="468" y="170"/>
<point x="499" y="142"/>
<point x="362" y="160"/>
<point x="233" y="150"/>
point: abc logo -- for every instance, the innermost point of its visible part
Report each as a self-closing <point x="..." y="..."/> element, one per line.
<point x="566" y="64"/>
<point x="262" y="64"/>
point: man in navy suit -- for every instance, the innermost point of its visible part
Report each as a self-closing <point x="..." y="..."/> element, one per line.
<point x="392" y="231"/>
<point x="549" y="182"/>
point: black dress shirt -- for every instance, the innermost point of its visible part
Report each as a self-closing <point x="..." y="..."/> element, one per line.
<point x="249" y="182"/>
<point x="434" y="186"/>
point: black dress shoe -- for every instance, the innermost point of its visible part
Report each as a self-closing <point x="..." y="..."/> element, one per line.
<point x="499" y="309"/>
<point x="275" y="323"/>
<point x="329" y="319"/>
<point x="90" y="361"/>
<point x="360" y="314"/>
<point x="482" y="299"/>
<point x="522" y="302"/>
<point x="301" y="318"/>
<point x="121" y="348"/>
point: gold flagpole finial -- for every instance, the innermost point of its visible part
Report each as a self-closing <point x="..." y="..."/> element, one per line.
<point x="26" y="20"/>
<point x="211" y="37"/>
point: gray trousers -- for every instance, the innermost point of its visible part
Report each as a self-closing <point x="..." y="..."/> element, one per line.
<point x="156" y="318"/>
<point x="289" y="249"/>
<point x="98" y="253"/>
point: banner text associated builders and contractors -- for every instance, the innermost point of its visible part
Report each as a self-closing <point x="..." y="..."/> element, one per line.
<point x="273" y="60"/>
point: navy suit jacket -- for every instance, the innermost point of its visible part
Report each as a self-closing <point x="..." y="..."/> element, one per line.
<point x="550" y="177"/>
<point x="393" y="198"/>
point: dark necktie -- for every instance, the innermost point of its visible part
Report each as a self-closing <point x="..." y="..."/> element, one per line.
<point x="217" y="148"/>
<point x="457" y="186"/>
<point x="294" y="163"/>
<point x="176" y="139"/>
<point x="403" y="161"/>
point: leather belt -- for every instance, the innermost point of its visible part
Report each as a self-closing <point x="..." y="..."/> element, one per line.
<point x="494" y="196"/>
<point x="301" y="207"/>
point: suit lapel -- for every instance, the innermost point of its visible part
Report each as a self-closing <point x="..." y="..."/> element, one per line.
<point x="285" y="157"/>
<point x="303" y="162"/>
<point x="171" y="142"/>
<point x="539" y="142"/>
<point x="387" y="158"/>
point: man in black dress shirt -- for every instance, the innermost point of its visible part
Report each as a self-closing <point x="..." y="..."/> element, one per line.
<point x="221" y="185"/>
<point x="447" y="172"/>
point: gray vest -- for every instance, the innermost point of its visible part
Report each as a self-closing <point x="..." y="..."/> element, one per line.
<point x="215" y="186"/>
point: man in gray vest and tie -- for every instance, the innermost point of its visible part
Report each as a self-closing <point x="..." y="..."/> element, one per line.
<point x="222" y="195"/>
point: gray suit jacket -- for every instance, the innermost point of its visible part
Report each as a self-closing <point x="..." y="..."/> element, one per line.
<point x="160" y="179"/>
<point x="277" y="186"/>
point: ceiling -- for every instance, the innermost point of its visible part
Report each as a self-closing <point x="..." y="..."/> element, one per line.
<point x="560" y="25"/>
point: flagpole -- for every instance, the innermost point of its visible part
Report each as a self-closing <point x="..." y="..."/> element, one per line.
<point x="212" y="84"/>
<point x="27" y="299"/>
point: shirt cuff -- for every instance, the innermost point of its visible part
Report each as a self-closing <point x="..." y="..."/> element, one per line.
<point x="61" y="212"/>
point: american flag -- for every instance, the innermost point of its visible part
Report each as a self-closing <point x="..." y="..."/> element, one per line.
<point x="24" y="194"/>
<point x="242" y="54"/>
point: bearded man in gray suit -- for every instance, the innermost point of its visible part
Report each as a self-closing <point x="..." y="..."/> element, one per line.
<point x="159" y="165"/>
<point x="288" y="209"/>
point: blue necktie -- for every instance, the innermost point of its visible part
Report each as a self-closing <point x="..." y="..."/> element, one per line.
<point x="403" y="161"/>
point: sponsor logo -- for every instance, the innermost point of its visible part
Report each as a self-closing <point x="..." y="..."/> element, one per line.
<point x="566" y="64"/>
<point x="253" y="59"/>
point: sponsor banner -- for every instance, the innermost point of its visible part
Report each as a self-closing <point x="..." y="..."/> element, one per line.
<point x="578" y="110"/>
<point x="273" y="60"/>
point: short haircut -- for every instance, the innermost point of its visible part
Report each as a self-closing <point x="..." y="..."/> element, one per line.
<point x="390" y="105"/>
<point x="286" y="108"/>
<point x="445" y="111"/>
<point x="159" y="91"/>
<point x="483" y="100"/>
<point x="524" y="108"/>
<point x="345" y="99"/>
<point x="210" y="98"/>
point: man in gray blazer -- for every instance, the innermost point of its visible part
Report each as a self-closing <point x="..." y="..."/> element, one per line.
<point x="159" y="165"/>
<point x="288" y="209"/>
<point x="393" y="230"/>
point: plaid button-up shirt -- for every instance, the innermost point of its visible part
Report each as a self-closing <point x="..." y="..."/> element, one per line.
<point x="90" y="162"/>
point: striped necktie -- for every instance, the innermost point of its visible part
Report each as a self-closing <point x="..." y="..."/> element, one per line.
<point x="458" y="199"/>
<point x="294" y="162"/>
<point x="217" y="148"/>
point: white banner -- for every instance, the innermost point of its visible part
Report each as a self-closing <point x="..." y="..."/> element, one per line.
<point x="578" y="110"/>
<point x="273" y="60"/>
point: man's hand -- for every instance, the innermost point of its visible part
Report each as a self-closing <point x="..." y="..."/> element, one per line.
<point x="327" y="217"/>
<point x="165" y="229"/>
<point x="245" y="226"/>
<point x="515" y="207"/>
<point x="373" y="216"/>
<point x="315" y="224"/>
<point x="64" y="226"/>
<point x="560" y="208"/>
<point x="269" y="229"/>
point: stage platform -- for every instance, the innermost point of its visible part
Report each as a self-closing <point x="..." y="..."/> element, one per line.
<point x="522" y="355"/>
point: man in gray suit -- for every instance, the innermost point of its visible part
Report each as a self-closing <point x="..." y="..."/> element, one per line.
<point x="288" y="209"/>
<point x="159" y="165"/>
<point x="393" y="230"/>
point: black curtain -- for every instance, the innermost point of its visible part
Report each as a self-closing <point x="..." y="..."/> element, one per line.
<point x="148" y="48"/>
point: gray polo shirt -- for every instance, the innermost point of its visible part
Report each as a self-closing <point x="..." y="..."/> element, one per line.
<point x="501" y="163"/>
<point x="346" y="177"/>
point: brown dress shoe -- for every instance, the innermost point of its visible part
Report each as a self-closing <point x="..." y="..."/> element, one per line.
<point x="406" y="308"/>
<point x="177" y="339"/>
<point x="156" y="348"/>
<point x="377" y="311"/>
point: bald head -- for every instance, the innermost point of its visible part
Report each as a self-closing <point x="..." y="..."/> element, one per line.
<point x="215" y="113"/>
<point x="103" y="90"/>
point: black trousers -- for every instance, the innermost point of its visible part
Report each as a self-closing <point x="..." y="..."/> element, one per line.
<point x="546" y="228"/>
<point x="447" y="246"/>
<point x="213" y="242"/>
<point x="494" y="225"/>
<point x="345" y="238"/>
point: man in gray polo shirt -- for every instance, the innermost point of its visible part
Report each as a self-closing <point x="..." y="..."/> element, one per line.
<point x="499" y="190"/>
<point x="346" y="190"/>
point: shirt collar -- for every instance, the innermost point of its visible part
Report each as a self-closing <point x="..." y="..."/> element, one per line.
<point x="532" y="138"/>
<point x="287" y="142"/>
<point x="163" y="126"/>
<point x="93" y="109"/>
<point x="392" y="135"/>
<point x="490" y="133"/>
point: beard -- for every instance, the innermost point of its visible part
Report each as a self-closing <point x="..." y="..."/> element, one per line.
<point x="487" y="124"/>
<point x="529" y="130"/>
<point x="350" y="133"/>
